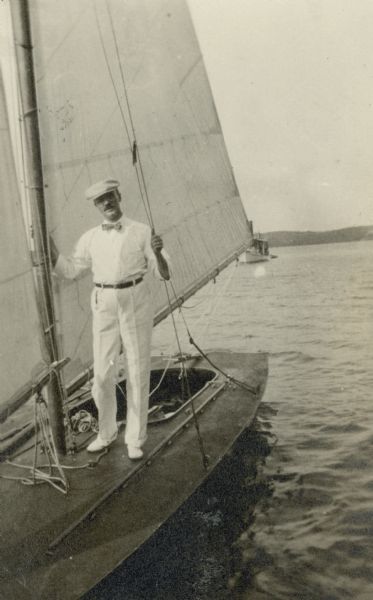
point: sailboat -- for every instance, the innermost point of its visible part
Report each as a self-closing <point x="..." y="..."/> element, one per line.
<point x="106" y="88"/>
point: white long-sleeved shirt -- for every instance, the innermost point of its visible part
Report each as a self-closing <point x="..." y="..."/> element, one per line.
<point x="113" y="256"/>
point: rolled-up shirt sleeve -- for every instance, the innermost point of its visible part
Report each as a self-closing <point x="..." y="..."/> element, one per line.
<point x="151" y="258"/>
<point x="75" y="265"/>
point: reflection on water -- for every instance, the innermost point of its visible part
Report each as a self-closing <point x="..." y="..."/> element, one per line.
<point x="206" y="549"/>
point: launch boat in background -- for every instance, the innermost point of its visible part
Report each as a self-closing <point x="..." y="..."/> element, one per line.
<point x="106" y="89"/>
<point x="258" y="251"/>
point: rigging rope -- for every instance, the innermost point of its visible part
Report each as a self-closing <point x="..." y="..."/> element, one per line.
<point x="135" y="149"/>
<point x="133" y="146"/>
<point x="36" y="475"/>
<point x="242" y="384"/>
<point x="185" y="380"/>
<point x="46" y="442"/>
<point x="213" y="306"/>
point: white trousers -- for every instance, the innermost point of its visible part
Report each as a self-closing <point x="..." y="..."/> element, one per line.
<point x="122" y="315"/>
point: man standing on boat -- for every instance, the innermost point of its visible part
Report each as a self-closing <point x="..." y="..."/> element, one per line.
<point x="119" y="252"/>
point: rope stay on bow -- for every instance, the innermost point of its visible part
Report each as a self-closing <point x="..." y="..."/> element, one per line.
<point x="186" y="389"/>
<point x="129" y="128"/>
<point x="244" y="385"/>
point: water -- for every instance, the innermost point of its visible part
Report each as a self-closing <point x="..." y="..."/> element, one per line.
<point x="291" y="516"/>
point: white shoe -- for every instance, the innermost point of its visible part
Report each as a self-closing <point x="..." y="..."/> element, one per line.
<point x="99" y="444"/>
<point x="134" y="453"/>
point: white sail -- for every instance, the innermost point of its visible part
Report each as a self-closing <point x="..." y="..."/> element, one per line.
<point x="19" y="324"/>
<point x="105" y="68"/>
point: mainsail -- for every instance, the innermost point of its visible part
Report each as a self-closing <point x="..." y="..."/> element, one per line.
<point x="91" y="57"/>
<point x="19" y="323"/>
<point x="122" y="92"/>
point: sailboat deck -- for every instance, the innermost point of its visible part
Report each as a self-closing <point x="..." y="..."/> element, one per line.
<point x="59" y="546"/>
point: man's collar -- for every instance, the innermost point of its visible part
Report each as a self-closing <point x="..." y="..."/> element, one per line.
<point x="125" y="221"/>
<point x="106" y="222"/>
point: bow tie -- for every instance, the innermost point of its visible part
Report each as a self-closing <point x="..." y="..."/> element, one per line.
<point x="108" y="226"/>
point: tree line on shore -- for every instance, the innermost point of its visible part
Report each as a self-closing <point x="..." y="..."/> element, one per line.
<point x="302" y="238"/>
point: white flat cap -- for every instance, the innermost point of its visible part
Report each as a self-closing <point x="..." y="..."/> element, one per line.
<point x="100" y="188"/>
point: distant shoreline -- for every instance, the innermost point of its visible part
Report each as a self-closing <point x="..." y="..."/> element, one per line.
<point x="306" y="238"/>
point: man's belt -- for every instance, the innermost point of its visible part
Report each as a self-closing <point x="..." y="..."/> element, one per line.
<point x="119" y="286"/>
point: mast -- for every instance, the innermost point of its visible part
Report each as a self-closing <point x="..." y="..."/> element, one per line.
<point x="20" y="11"/>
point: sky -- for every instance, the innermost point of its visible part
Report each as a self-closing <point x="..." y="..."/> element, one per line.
<point x="293" y="86"/>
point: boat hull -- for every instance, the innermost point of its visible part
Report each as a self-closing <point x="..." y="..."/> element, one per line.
<point x="255" y="259"/>
<point x="253" y="256"/>
<point x="59" y="547"/>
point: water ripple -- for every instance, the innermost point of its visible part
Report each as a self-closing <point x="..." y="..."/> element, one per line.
<point x="304" y="529"/>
